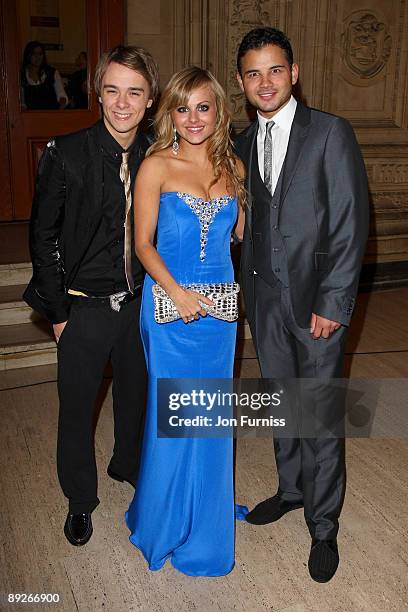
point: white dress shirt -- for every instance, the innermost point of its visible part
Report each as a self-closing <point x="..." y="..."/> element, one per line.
<point x="280" y="138"/>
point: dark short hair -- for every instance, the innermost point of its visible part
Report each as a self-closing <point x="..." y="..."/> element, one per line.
<point x="135" y="58"/>
<point x="261" y="37"/>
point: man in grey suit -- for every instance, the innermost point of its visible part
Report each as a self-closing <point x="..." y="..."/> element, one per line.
<point x="304" y="239"/>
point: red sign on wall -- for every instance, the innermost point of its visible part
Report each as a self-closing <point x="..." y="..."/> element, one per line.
<point x="44" y="22"/>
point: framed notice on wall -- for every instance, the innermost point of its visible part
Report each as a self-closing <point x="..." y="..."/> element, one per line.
<point x="45" y="23"/>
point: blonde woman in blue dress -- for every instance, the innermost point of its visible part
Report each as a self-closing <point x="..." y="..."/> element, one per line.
<point x="189" y="191"/>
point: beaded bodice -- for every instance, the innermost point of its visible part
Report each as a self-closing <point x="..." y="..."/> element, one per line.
<point x="193" y="235"/>
<point x="205" y="211"/>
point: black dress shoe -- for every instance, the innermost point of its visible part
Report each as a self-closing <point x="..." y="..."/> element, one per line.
<point x="78" y="528"/>
<point x="323" y="560"/>
<point x="119" y="478"/>
<point x="271" y="510"/>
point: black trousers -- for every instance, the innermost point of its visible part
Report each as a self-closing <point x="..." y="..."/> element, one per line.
<point x="92" y="336"/>
<point x="310" y="469"/>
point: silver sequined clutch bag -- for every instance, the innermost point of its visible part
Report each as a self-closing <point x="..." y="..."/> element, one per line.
<point x="223" y="295"/>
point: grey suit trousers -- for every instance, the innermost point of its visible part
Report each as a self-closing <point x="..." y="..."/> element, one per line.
<point x="311" y="469"/>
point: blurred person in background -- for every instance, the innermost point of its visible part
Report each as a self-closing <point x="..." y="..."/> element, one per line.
<point x="78" y="83"/>
<point x="41" y="84"/>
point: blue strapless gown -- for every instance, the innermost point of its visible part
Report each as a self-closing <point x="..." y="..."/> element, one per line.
<point x="183" y="508"/>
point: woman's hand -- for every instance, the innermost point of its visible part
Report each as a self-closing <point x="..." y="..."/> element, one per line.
<point x="187" y="304"/>
<point x="149" y="180"/>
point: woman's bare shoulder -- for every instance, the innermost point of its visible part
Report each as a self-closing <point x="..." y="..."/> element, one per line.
<point x="153" y="165"/>
<point x="156" y="168"/>
<point x="162" y="155"/>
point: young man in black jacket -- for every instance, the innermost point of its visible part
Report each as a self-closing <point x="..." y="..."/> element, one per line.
<point x="87" y="279"/>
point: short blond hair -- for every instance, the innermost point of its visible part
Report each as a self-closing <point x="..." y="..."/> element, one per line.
<point x="135" y="58"/>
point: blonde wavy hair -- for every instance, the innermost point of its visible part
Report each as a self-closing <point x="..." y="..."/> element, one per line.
<point x="219" y="146"/>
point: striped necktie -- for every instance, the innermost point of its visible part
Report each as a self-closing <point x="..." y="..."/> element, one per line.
<point x="125" y="178"/>
<point x="268" y="157"/>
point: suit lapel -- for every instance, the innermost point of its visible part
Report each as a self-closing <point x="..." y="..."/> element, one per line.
<point x="297" y="139"/>
<point x="249" y="156"/>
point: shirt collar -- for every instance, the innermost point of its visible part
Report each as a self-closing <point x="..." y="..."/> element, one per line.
<point x="283" y="118"/>
<point x="110" y="145"/>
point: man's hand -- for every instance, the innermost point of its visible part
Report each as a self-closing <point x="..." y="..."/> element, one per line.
<point x="58" y="329"/>
<point x="319" y="326"/>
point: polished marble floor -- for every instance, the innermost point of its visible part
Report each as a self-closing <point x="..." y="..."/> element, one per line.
<point x="271" y="561"/>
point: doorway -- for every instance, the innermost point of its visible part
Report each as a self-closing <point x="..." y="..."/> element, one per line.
<point x="49" y="50"/>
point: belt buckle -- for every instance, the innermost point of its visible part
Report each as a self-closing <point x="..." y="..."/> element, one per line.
<point x="116" y="300"/>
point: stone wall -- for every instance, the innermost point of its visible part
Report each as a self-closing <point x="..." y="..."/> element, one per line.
<point x="353" y="62"/>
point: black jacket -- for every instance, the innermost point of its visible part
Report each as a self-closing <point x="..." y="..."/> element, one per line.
<point x="67" y="208"/>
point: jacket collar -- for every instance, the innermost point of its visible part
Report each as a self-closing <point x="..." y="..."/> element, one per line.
<point x="297" y="139"/>
<point x="298" y="133"/>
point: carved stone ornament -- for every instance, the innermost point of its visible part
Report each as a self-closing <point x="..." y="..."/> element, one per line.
<point x="249" y="12"/>
<point x="245" y="15"/>
<point x="390" y="200"/>
<point x="238" y="102"/>
<point x="366" y="44"/>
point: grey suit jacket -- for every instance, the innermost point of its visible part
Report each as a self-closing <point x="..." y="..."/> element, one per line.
<point x="323" y="216"/>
